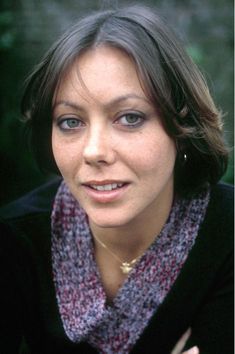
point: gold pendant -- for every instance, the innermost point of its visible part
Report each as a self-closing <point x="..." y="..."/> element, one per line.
<point x="126" y="267"/>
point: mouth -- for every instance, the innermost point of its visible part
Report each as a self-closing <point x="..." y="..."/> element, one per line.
<point x="106" y="186"/>
<point x="105" y="191"/>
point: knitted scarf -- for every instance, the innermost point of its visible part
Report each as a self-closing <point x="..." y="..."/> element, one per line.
<point x="82" y="302"/>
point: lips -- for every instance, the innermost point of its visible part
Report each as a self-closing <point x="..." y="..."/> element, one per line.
<point x="105" y="191"/>
<point x="106" y="187"/>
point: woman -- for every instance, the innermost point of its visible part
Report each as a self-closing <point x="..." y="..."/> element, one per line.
<point x="133" y="246"/>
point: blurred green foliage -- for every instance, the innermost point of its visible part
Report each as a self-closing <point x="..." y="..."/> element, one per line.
<point x="27" y="29"/>
<point x="7" y="35"/>
<point x="196" y="54"/>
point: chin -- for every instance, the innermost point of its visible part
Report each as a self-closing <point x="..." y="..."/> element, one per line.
<point x="108" y="222"/>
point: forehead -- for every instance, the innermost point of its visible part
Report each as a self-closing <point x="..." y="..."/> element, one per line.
<point x="102" y="73"/>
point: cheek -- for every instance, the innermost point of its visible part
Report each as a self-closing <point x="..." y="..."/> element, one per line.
<point x="166" y="152"/>
<point x="153" y="155"/>
<point x="66" y="156"/>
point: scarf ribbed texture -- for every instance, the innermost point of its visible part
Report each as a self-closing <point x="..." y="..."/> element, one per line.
<point x="82" y="302"/>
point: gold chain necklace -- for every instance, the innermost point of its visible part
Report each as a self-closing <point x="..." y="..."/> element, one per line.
<point x="125" y="267"/>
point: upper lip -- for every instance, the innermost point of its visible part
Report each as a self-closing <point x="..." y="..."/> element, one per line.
<point x="104" y="182"/>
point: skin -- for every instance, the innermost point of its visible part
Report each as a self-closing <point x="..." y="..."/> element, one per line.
<point x="106" y="129"/>
<point x="181" y="343"/>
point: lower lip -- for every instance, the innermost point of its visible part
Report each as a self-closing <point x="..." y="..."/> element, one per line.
<point x="106" y="196"/>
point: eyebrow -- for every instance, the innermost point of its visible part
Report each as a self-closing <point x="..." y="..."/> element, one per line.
<point x="111" y="103"/>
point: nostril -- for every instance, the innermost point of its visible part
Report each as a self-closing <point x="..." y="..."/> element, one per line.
<point x="99" y="153"/>
<point x="98" y="162"/>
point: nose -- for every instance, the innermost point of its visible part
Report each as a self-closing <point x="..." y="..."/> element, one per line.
<point x="98" y="148"/>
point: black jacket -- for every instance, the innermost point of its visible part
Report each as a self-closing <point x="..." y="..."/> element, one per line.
<point x="201" y="297"/>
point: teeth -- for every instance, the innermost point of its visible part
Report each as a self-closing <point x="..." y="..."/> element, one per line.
<point x="107" y="187"/>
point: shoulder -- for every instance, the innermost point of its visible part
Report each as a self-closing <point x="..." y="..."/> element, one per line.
<point x="223" y="194"/>
<point x="215" y="240"/>
<point x="27" y="219"/>
<point x="221" y="206"/>
<point x="38" y="201"/>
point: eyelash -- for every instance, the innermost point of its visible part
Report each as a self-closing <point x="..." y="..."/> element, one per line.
<point x="140" y="117"/>
<point x="63" y="121"/>
<point x="140" y="120"/>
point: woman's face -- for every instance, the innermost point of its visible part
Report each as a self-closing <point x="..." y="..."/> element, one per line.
<point x="108" y="140"/>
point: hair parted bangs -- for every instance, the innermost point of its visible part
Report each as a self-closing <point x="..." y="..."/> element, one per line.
<point x="168" y="76"/>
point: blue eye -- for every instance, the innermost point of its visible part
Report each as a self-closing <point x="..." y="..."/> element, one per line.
<point x="131" y="120"/>
<point x="70" y="123"/>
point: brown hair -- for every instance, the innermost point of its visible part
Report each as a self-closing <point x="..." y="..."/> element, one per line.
<point x="170" y="78"/>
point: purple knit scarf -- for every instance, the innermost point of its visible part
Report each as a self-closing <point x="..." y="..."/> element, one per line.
<point x="82" y="302"/>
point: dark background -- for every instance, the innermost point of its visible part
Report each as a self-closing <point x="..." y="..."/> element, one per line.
<point x="28" y="28"/>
